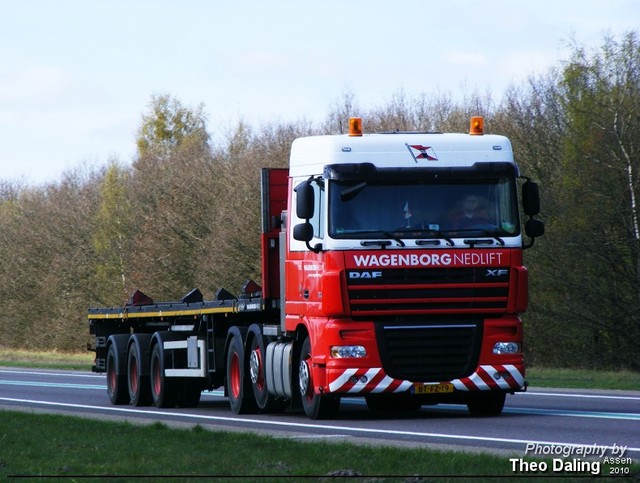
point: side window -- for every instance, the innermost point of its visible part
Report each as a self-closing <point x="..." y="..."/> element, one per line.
<point x="318" y="216"/>
<point x="318" y="219"/>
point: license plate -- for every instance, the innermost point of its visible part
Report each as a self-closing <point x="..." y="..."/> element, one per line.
<point x="432" y="388"/>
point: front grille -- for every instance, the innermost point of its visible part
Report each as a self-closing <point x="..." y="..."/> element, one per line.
<point x="434" y="351"/>
<point x="429" y="290"/>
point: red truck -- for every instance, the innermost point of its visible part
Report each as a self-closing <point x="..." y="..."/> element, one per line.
<point x="392" y="270"/>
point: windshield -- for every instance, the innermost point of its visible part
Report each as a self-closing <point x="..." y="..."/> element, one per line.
<point x="418" y="209"/>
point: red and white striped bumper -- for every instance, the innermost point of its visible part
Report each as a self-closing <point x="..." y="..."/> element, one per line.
<point x="375" y="381"/>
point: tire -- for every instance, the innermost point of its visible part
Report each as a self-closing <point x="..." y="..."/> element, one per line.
<point x="486" y="404"/>
<point x="116" y="383"/>
<point x="266" y="402"/>
<point x="163" y="390"/>
<point x="316" y="406"/>
<point x="238" y="388"/>
<point x="137" y="371"/>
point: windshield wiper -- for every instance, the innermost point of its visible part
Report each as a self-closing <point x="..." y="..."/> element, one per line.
<point x="484" y="241"/>
<point x="438" y="234"/>
<point x="381" y="243"/>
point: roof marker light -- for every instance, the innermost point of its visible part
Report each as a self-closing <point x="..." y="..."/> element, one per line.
<point x="477" y="126"/>
<point x="355" y="126"/>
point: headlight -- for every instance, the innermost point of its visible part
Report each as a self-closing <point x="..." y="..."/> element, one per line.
<point x="506" y="348"/>
<point x="344" y="351"/>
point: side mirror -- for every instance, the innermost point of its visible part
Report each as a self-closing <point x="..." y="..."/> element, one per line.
<point x="305" y="204"/>
<point x="530" y="198"/>
<point x="303" y="232"/>
<point x="534" y="228"/>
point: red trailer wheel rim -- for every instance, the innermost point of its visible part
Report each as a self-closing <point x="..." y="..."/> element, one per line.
<point x="157" y="380"/>
<point x="234" y="382"/>
<point x="113" y="380"/>
<point x="133" y="370"/>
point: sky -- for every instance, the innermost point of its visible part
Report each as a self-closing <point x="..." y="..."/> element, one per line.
<point x="76" y="76"/>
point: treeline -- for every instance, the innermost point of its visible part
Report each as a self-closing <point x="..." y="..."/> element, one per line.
<point x="186" y="212"/>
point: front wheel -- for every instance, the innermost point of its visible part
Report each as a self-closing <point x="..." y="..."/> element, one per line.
<point x="316" y="406"/>
<point x="486" y="404"/>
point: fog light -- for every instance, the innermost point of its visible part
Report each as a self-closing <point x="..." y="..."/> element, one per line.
<point x="344" y="351"/>
<point x="506" y="348"/>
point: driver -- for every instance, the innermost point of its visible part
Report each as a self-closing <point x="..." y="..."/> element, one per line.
<point x="470" y="213"/>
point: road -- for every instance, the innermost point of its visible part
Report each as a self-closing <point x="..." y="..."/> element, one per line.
<point x="546" y="417"/>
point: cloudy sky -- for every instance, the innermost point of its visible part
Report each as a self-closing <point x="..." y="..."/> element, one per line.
<point x="76" y="75"/>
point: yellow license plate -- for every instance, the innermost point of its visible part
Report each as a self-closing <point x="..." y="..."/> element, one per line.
<point x="433" y="388"/>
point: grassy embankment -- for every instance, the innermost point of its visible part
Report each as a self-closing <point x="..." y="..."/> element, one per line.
<point x="49" y="445"/>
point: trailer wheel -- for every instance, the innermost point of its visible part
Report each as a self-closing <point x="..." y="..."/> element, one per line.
<point x="137" y="377"/>
<point x="163" y="389"/>
<point x="316" y="406"/>
<point x="266" y="401"/>
<point x="486" y="404"/>
<point x="116" y="384"/>
<point x="238" y="389"/>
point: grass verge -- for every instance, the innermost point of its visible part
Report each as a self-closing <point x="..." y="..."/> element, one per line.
<point x="583" y="379"/>
<point x="53" y="446"/>
<point x="50" y="360"/>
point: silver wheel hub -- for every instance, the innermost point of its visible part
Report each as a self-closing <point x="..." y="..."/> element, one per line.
<point x="254" y="366"/>
<point x="305" y="378"/>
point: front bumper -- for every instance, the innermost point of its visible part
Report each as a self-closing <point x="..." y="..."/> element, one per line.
<point x="363" y="381"/>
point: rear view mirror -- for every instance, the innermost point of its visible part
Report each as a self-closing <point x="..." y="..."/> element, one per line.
<point x="530" y="198"/>
<point x="534" y="228"/>
<point x="303" y="232"/>
<point x="305" y="200"/>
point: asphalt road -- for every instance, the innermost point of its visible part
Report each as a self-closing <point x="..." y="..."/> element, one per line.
<point x="549" y="418"/>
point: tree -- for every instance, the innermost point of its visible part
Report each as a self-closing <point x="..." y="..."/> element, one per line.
<point x="112" y="237"/>
<point x="600" y="93"/>
<point x="168" y="126"/>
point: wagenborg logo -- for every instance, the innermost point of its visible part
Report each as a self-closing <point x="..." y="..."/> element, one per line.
<point x="418" y="151"/>
<point x="374" y="260"/>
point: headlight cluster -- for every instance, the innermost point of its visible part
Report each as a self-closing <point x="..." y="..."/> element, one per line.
<point x="506" y="348"/>
<point x="344" y="351"/>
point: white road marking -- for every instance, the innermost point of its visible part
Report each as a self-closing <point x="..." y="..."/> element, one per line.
<point x="306" y="426"/>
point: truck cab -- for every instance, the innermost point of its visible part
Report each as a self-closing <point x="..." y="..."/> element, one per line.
<point x="403" y="270"/>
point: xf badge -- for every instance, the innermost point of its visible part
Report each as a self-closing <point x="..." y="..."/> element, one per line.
<point x="499" y="272"/>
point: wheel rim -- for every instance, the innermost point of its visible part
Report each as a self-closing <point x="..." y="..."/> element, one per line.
<point x="157" y="379"/>
<point x="255" y="369"/>
<point x="133" y="370"/>
<point x="235" y="375"/>
<point x="112" y="379"/>
<point x="305" y="380"/>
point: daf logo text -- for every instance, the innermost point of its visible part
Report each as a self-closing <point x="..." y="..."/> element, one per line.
<point x="360" y="275"/>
